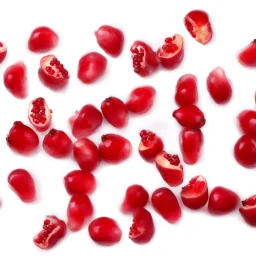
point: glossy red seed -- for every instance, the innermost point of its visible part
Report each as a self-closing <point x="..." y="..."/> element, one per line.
<point x="247" y="56"/>
<point x="248" y="210"/>
<point x="3" y="52"/>
<point x="247" y="122"/>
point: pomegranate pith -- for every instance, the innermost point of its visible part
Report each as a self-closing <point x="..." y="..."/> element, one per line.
<point x="3" y="52"/>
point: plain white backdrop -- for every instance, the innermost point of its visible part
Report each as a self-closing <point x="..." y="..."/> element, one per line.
<point x="197" y="233"/>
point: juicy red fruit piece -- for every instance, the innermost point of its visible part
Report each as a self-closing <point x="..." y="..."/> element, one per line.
<point x="150" y="145"/>
<point x="142" y="229"/>
<point x="115" y="111"/>
<point x="53" y="230"/>
<point x="22" y="139"/>
<point x="91" y="67"/>
<point x="86" y="154"/>
<point x="166" y="204"/>
<point x="171" y="53"/>
<point x="190" y="117"/>
<point x="23" y="185"/>
<point x="141" y="99"/>
<point x="114" y="148"/>
<point x="110" y="39"/>
<point x="52" y="73"/>
<point x="86" y="121"/>
<point x="195" y="194"/>
<point x="3" y="52"/>
<point x="57" y="144"/>
<point x="247" y="122"/>
<point x="135" y="196"/>
<point x="80" y="209"/>
<point x="42" y="39"/>
<point x="248" y="210"/>
<point x="198" y="25"/>
<point x="144" y="59"/>
<point x="15" y="80"/>
<point x="170" y="168"/>
<point x="191" y="143"/>
<point x="222" y="201"/>
<point x="79" y="182"/>
<point x="186" y="90"/>
<point x="247" y="56"/>
<point x="105" y="231"/>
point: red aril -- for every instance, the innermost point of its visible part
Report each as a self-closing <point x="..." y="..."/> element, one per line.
<point x="22" y="139"/>
<point x="3" y="52"/>
<point x="248" y="210"/>
<point x="105" y="231"/>
<point x="170" y="168"/>
<point x="91" y="67"/>
<point x="190" y="117"/>
<point x="245" y="151"/>
<point x="22" y="183"/>
<point x="144" y="59"/>
<point x="150" y="145"/>
<point x="198" y="25"/>
<point x="186" y="90"/>
<point x="141" y="99"/>
<point x="57" y="144"/>
<point x="52" y="73"/>
<point x="247" y="122"/>
<point x="79" y="182"/>
<point x="15" y="80"/>
<point x="110" y="39"/>
<point x="166" y="204"/>
<point x="86" y="154"/>
<point x="135" y="196"/>
<point x="42" y="39"/>
<point x="53" y="230"/>
<point x="114" y="148"/>
<point x="191" y="143"/>
<point x="171" y="53"/>
<point x="247" y="56"/>
<point x="195" y="194"/>
<point x="80" y="209"/>
<point x="115" y="111"/>
<point x="142" y="229"/>
<point x="86" y="121"/>
<point x="222" y="201"/>
<point x="219" y="86"/>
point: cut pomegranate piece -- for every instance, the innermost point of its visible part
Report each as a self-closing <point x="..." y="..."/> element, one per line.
<point x="190" y="117"/>
<point x="91" y="67"/>
<point x="222" y="201"/>
<point x="248" y="210"/>
<point x="110" y="39"/>
<point x="22" y="139"/>
<point x="171" y="53"/>
<point x="57" y="144"/>
<point x="247" y="122"/>
<point x="191" y="143"/>
<point x="42" y="39"/>
<point x="135" y="196"/>
<point x="86" y="154"/>
<point x="170" y="168"/>
<point x="105" y="231"/>
<point x="3" y="52"/>
<point x="52" y="73"/>
<point x="142" y="229"/>
<point x="144" y="59"/>
<point x="53" y="230"/>
<point x="195" y="194"/>
<point x="80" y="209"/>
<point x="186" y="90"/>
<point x="79" y="182"/>
<point x="219" y="86"/>
<point x="247" y="56"/>
<point x="115" y="111"/>
<point x="22" y="183"/>
<point x="39" y="114"/>
<point x="245" y="151"/>
<point x="150" y="145"/>
<point x="198" y="25"/>
<point x="86" y="121"/>
<point x="114" y="148"/>
<point x="15" y="80"/>
<point x="166" y="204"/>
<point x="141" y="99"/>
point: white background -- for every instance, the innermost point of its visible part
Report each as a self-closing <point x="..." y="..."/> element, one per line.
<point x="197" y="233"/>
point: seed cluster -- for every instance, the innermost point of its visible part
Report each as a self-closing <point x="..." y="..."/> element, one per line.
<point x="147" y="137"/>
<point x="137" y="59"/>
<point x="47" y="230"/>
<point x="38" y="111"/>
<point x="58" y="68"/>
<point x="173" y="159"/>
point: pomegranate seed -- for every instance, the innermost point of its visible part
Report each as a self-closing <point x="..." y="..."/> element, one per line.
<point x="247" y="122"/>
<point x="248" y="210"/>
<point x="3" y="52"/>
<point x="247" y="56"/>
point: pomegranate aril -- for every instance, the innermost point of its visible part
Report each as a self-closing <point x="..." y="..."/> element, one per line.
<point x="248" y="210"/>
<point x="247" y="56"/>
<point x="247" y="122"/>
<point x="3" y="52"/>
